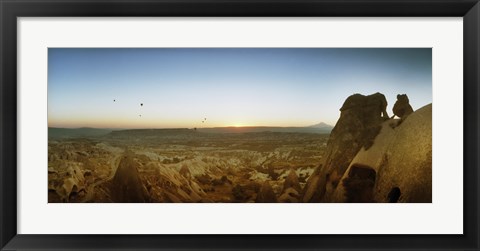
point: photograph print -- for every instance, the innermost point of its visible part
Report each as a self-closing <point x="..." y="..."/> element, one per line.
<point x="239" y="125"/>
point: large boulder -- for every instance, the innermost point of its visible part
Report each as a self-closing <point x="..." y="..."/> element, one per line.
<point x="359" y="123"/>
<point x="407" y="164"/>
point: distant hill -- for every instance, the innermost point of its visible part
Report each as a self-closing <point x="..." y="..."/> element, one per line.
<point x="136" y="133"/>
<point x="62" y="133"/>
<point x="54" y="132"/>
<point x="322" y="125"/>
<point x="248" y="129"/>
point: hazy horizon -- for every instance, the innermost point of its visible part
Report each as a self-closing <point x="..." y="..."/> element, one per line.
<point x="225" y="87"/>
<point x="132" y="128"/>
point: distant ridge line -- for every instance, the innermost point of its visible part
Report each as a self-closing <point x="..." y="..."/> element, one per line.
<point x="54" y="132"/>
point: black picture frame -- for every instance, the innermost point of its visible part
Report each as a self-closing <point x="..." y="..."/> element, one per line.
<point x="11" y="9"/>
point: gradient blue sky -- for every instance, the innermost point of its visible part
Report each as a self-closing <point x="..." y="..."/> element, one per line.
<point x="230" y="87"/>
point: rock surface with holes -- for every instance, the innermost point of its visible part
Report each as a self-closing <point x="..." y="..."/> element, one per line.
<point x="359" y="123"/>
<point x="407" y="163"/>
<point x="398" y="166"/>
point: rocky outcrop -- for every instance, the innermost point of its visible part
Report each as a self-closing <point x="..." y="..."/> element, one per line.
<point x="126" y="184"/>
<point x="72" y="186"/>
<point x="185" y="172"/>
<point x="402" y="107"/>
<point x="291" y="181"/>
<point x="311" y="193"/>
<point x="360" y="122"/>
<point x="291" y="191"/>
<point x="290" y="195"/>
<point x="166" y="184"/>
<point x="266" y="194"/>
<point x="398" y="166"/>
<point x="407" y="164"/>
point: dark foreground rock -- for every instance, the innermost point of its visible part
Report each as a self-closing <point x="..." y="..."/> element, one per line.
<point x="266" y="194"/>
<point x="359" y="123"/>
<point x="126" y="184"/>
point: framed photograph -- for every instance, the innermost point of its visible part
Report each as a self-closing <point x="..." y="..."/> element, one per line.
<point x="239" y="125"/>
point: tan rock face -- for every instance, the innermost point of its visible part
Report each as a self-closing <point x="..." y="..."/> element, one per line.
<point x="407" y="163"/>
<point x="72" y="185"/>
<point x="185" y="172"/>
<point x="359" y="123"/>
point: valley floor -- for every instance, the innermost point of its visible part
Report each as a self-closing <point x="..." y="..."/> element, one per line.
<point x="183" y="166"/>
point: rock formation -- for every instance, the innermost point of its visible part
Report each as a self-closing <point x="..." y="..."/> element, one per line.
<point x="402" y="107"/>
<point x="185" y="172"/>
<point x="407" y="163"/>
<point x="266" y="194"/>
<point x="397" y="168"/>
<point x="290" y="195"/>
<point x="292" y="182"/>
<point x="73" y="184"/>
<point x="311" y="191"/>
<point x="359" y="123"/>
<point x="126" y="184"/>
<point x="169" y="185"/>
<point x="291" y="191"/>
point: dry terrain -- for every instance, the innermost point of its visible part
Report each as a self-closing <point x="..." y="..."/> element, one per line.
<point x="181" y="165"/>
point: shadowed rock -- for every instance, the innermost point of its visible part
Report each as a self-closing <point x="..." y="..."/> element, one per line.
<point x="376" y="103"/>
<point x="292" y="182"/>
<point x="394" y="195"/>
<point x="290" y="195"/>
<point x="402" y="107"/>
<point x="359" y="184"/>
<point x="266" y="194"/>
<point x="359" y="123"/>
<point x="313" y="189"/>
<point x="126" y="184"/>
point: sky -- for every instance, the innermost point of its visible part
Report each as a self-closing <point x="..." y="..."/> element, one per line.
<point x="181" y="87"/>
